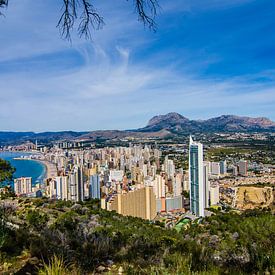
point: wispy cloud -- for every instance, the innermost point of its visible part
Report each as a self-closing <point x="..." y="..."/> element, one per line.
<point x="121" y="79"/>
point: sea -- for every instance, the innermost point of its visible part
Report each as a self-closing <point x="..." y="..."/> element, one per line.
<point x="25" y="168"/>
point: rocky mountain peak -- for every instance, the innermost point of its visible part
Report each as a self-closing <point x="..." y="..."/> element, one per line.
<point x="172" y="117"/>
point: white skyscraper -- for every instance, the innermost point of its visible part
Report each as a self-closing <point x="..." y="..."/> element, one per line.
<point x="62" y="188"/>
<point x="170" y="168"/>
<point x="214" y="194"/>
<point x="215" y="168"/>
<point x="159" y="186"/>
<point x="23" y="185"/>
<point x="206" y="184"/>
<point x="196" y="180"/>
<point x="76" y="183"/>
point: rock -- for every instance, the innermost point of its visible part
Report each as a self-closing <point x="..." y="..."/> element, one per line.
<point x="214" y="240"/>
<point x="120" y="270"/>
<point x="100" y="268"/>
<point x="33" y="261"/>
<point x="85" y="210"/>
<point x="235" y="235"/>
<point x="76" y="207"/>
<point x="110" y="262"/>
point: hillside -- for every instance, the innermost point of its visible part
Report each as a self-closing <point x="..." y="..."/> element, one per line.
<point x="93" y="241"/>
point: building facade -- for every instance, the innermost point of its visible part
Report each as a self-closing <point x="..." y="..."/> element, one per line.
<point x="196" y="181"/>
<point x="94" y="187"/>
<point x="139" y="203"/>
<point x="23" y="186"/>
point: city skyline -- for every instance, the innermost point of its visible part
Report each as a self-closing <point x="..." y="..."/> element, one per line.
<point x="206" y="59"/>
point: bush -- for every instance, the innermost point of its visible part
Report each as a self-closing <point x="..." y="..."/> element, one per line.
<point x="36" y="220"/>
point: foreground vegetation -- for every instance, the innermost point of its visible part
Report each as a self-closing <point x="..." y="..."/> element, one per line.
<point x="38" y="235"/>
<point x="6" y="171"/>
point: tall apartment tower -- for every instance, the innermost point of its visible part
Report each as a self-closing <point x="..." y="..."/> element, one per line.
<point x="196" y="178"/>
<point x="23" y="185"/>
<point x="206" y="184"/>
<point x="223" y="167"/>
<point x="62" y="187"/>
<point x="243" y="167"/>
<point x="138" y="203"/>
<point x="76" y="179"/>
<point x="94" y="187"/>
<point x="215" y="168"/>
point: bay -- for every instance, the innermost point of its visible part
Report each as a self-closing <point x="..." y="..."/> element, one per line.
<point x="25" y="168"/>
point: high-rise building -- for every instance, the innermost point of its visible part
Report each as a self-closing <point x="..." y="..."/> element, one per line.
<point x="197" y="196"/>
<point x="139" y="203"/>
<point x="62" y="188"/>
<point x="177" y="187"/>
<point x="23" y="185"/>
<point x="94" y="187"/>
<point x="186" y="185"/>
<point x="116" y="175"/>
<point x="215" y="168"/>
<point x="235" y="170"/>
<point x="170" y="169"/>
<point x="159" y="186"/>
<point x="214" y="194"/>
<point x="76" y="181"/>
<point x="206" y="184"/>
<point x="223" y="167"/>
<point x="243" y="167"/>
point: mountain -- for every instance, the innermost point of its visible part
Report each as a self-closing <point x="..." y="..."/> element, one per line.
<point x="172" y="118"/>
<point x="237" y="123"/>
<point x="171" y="124"/>
<point x="177" y="124"/>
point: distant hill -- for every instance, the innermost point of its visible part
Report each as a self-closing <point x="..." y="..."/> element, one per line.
<point x="177" y="124"/>
<point x="19" y="137"/>
<point x="161" y="126"/>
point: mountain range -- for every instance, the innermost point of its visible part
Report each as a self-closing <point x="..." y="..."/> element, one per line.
<point x="177" y="123"/>
<point x="173" y="124"/>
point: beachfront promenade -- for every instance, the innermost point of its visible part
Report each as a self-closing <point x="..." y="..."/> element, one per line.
<point x="51" y="169"/>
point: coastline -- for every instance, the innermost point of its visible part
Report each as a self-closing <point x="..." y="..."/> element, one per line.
<point x="50" y="170"/>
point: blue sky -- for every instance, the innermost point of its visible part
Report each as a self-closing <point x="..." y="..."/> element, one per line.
<point x="207" y="58"/>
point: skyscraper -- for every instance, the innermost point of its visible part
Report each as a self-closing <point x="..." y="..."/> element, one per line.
<point x="215" y="168"/>
<point x="206" y="184"/>
<point x="94" y="187"/>
<point x="76" y="180"/>
<point x="23" y="185"/>
<point x="62" y="187"/>
<point x="196" y="181"/>
<point x="223" y="167"/>
<point x="138" y="203"/>
<point x="243" y="167"/>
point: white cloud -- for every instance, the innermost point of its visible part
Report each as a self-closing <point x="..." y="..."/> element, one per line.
<point x="110" y="89"/>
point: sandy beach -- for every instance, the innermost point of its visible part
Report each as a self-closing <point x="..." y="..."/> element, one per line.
<point x="51" y="170"/>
